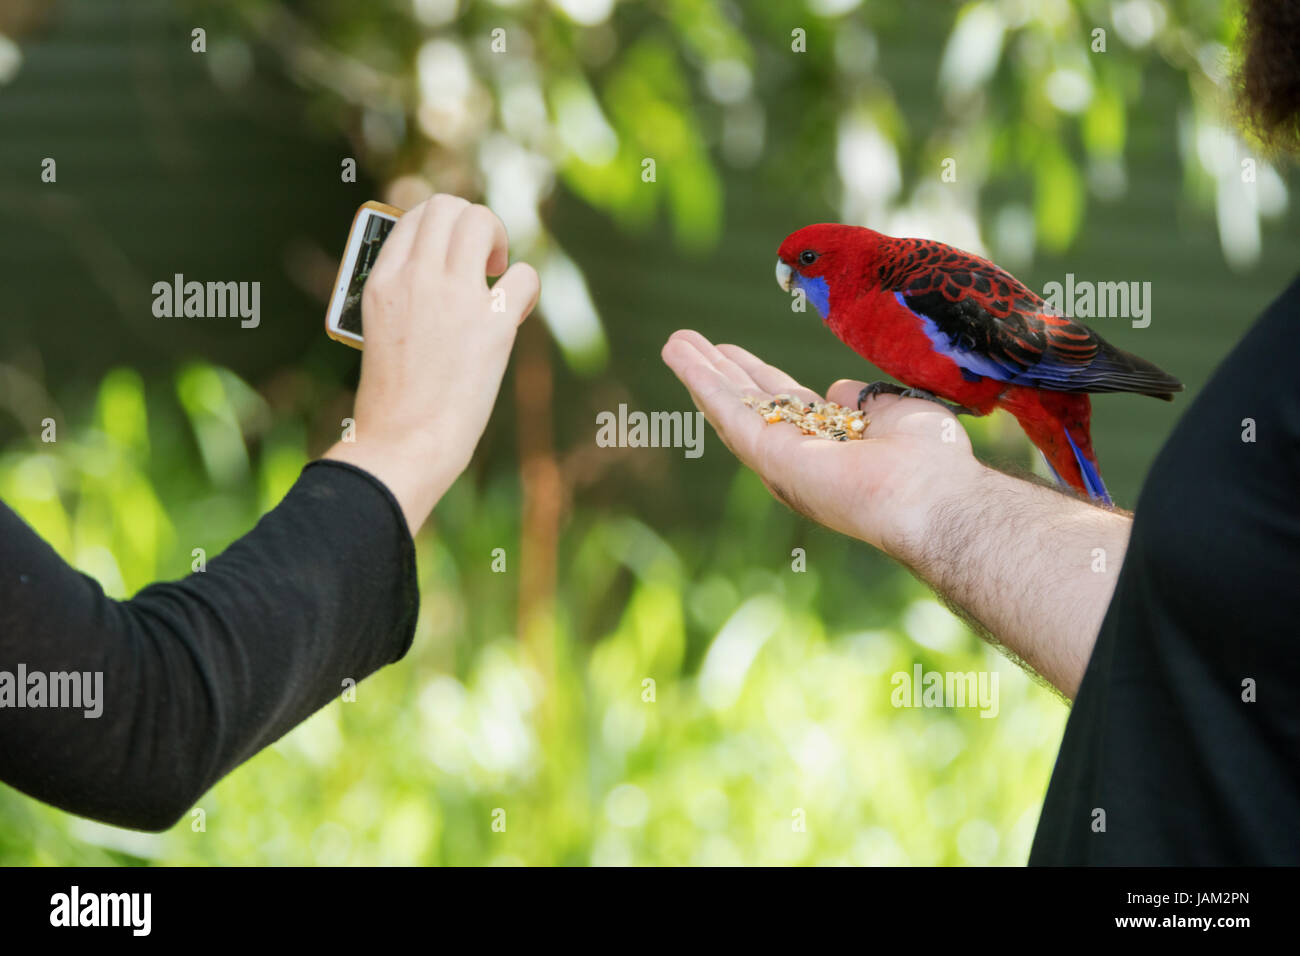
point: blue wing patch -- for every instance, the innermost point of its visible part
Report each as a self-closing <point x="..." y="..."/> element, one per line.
<point x="1048" y="372"/>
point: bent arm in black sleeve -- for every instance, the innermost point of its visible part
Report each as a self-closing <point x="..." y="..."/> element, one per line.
<point x="202" y="673"/>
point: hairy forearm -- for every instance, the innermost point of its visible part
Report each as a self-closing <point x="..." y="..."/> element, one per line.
<point x="1031" y="567"/>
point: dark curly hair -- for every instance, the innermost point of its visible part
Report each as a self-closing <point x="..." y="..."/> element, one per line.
<point x="1268" y="78"/>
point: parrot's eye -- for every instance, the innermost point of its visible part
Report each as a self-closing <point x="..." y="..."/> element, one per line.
<point x="807" y="257"/>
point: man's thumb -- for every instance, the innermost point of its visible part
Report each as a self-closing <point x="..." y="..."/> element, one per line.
<point x="519" y="289"/>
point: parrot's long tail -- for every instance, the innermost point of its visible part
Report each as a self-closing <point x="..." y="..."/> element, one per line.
<point x="1057" y="424"/>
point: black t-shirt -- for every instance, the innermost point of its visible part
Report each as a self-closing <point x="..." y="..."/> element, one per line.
<point x="196" y="675"/>
<point x="1184" y="740"/>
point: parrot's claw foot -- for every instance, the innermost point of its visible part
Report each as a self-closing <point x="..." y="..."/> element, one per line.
<point x="878" y="388"/>
<point x="931" y="397"/>
<point x="889" y="388"/>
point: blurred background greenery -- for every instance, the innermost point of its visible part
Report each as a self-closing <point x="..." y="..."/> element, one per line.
<point x="1109" y="155"/>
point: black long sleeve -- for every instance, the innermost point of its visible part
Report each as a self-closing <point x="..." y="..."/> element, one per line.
<point x="1183" y="745"/>
<point x="200" y="674"/>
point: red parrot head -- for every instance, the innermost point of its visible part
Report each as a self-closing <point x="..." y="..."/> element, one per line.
<point x="817" y="257"/>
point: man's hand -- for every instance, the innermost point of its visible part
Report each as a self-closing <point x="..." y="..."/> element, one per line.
<point x="879" y="489"/>
<point x="436" y="348"/>
<point x="1019" y="559"/>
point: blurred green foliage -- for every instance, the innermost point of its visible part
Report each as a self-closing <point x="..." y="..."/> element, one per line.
<point x="772" y="687"/>
<point x="763" y="712"/>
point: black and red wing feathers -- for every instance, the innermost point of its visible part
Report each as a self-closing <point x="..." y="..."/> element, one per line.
<point x="992" y="325"/>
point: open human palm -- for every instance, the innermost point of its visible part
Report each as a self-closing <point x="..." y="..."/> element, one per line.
<point x="880" y="489"/>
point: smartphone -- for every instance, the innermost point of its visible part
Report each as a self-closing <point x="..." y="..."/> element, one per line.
<point x="370" y="227"/>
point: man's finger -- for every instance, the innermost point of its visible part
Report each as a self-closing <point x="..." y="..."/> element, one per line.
<point x="518" y="289"/>
<point x="397" y="246"/>
<point x="768" y="377"/>
<point x="478" y="244"/>
<point x="718" y="360"/>
<point x="718" y="397"/>
<point x="721" y="399"/>
<point x="436" y="224"/>
<point x="686" y="347"/>
<point x="846" y="391"/>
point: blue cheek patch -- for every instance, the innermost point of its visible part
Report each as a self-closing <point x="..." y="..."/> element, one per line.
<point x="818" y="293"/>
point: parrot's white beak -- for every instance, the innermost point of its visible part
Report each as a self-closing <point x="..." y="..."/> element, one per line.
<point x="784" y="275"/>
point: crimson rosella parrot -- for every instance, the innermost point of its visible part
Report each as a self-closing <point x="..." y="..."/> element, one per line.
<point x="952" y="326"/>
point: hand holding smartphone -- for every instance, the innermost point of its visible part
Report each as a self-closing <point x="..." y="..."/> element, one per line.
<point x="437" y="340"/>
<point x="370" y="227"/>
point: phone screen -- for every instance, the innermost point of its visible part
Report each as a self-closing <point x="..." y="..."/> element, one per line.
<point x="375" y="231"/>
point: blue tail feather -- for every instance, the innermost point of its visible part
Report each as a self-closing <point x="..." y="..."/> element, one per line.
<point x="1091" y="476"/>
